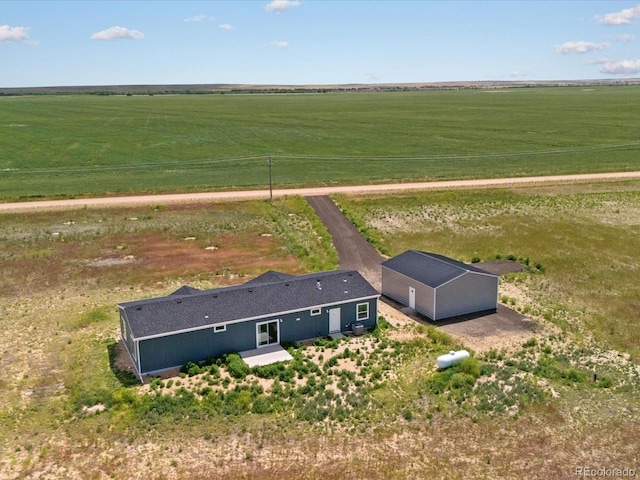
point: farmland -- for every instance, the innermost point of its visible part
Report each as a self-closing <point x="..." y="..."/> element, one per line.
<point x="91" y="145"/>
<point x="371" y="407"/>
<point x="368" y="407"/>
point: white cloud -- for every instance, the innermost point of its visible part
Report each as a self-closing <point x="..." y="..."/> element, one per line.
<point x="517" y="74"/>
<point x="281" y="5"/>
<point x="624" y="17"/>
<point x="117" y="33"/>
<point x="198" y="19"/>
<point x="226" y="26"/>
<point x="280" y="44"/>
<point x="623" y="67"/>
<point x="13" y="34"/>
<point x="569" y="48"/>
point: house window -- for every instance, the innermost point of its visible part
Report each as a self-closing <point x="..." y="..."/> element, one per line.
<point x="362" y="311"/>
<point x="316" y="311"/>
<point x="268" y="333"/>
<point x="219" y="328"/>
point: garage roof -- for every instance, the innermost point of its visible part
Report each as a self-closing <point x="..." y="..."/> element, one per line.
<point x="430" y="268"/>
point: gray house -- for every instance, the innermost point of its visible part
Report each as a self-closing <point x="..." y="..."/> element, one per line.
<point x="437" y="286"/>
<point x="193" y="325"/>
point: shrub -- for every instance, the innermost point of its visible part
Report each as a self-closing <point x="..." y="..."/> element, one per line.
<point x="604" y="382"/>
<point x="191" y="369"/>
<point x="269" y="371"/>
<point x="470" y="366"/>
<point x="438" y="336"/>
<point x="262" y="404"/>
<point x="332" y="362"/>
<point x="124" y="396"/>
<point x="475" y="260"/>
<point x="236" y="366"/>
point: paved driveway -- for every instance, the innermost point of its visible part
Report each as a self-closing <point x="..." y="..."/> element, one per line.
<point x="354" y="251"/>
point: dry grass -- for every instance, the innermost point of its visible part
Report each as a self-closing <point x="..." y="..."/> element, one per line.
<point x="58" y="322"/>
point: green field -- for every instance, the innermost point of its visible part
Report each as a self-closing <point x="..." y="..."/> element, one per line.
<point x="583" y="237"/>
<point x="87" y="145"/>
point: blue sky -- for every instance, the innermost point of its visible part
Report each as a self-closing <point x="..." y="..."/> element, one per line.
<point x="291" y="42"/>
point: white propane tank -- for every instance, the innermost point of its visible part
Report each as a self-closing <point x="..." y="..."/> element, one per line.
<point x="451" y="358"/>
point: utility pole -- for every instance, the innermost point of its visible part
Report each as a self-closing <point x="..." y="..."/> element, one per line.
<point x="270" y="182"/>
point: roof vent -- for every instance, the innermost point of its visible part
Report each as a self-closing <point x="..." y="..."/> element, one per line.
<point x="206" y="316"/>
<point x="178" y="301"/>
<point x="346" y="291"/>
<point x="344" y="280"/>
<point x="215" y="295"/>
<point x="287" y="284"/>
<point x="318" y="285"/>
<point x="251" y="289"/>
<point x="138" y="308"/>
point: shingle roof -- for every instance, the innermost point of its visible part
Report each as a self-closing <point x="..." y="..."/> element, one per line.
<point x="273" y="294"/>
<point x="270" y="277"/>
<point x="186" y="290"/>
<point x="430" y="268"/>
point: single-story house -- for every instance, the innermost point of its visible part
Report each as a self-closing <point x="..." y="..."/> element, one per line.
<point x="194" y="325"/>
<point x="437" y="286"/>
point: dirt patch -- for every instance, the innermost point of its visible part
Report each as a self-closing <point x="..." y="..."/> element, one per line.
<point x="500" y="267"/>
<point x="483" y="331"/>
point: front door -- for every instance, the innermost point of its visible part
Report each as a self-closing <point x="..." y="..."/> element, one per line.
<point x="334" y="320"/>
<point x="267" y="333"/>
<point x="412" y="297"/>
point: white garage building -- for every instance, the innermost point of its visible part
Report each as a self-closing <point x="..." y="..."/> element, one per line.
<point x="437" y="286"/>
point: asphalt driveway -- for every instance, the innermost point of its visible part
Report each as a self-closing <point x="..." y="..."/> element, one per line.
<point x="354" y="251"/>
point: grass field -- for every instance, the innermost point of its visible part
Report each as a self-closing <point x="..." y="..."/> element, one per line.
<point x="372" y="407"/>
<point x="88" y="145"/>
<point x="583" y="237"/>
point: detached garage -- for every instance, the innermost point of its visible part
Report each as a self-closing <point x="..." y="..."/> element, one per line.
<point x="437" y="286"/>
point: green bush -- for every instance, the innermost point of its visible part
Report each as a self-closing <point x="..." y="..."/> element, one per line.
<point x="236" y="366"/>
<point x="191" y="369"/>
<point x="462" y="381"/>
<point x="269" y="371"/>
<point x="262" y="404"/>
<point x="470" y="366"/>
<point x="438" y="336"/>
<point x="332" y="362"/>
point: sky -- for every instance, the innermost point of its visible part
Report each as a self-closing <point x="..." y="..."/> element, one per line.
<point x="302" y="42"/>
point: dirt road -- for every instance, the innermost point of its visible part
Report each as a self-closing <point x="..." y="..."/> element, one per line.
<point x="258" y="194"/>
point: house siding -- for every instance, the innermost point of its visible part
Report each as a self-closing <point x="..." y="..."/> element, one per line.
<point x="396" y="286"/>
<point x="173" y="350"/>
<point x="125" y="334"/>
<point x="468" y="293"/>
